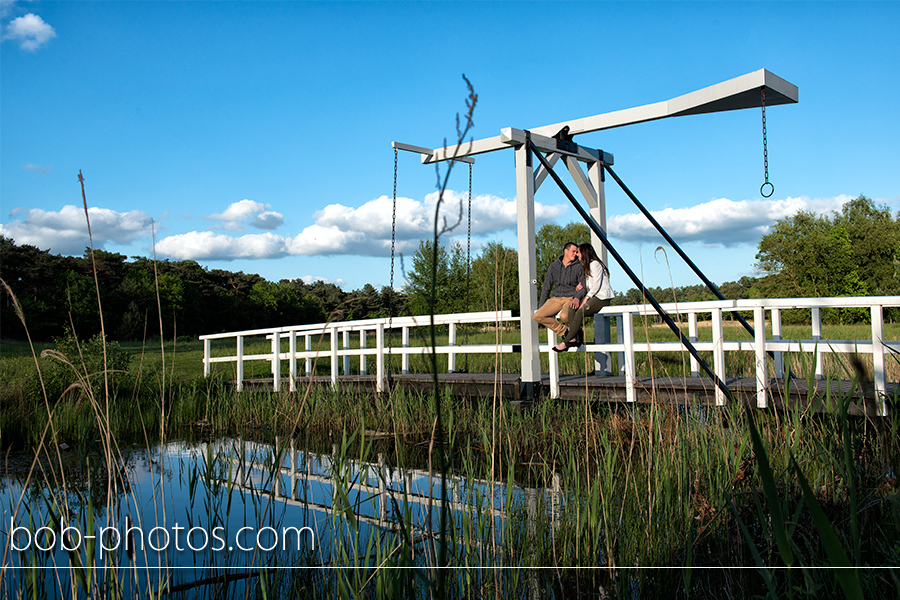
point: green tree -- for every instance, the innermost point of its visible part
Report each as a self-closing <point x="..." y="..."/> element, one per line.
<point x="816" y="256"/>
<point x="494" y="282"/>
<point x="450" y="287"/>
<point x="850" y="253"/>
<point x="874" y="241"/>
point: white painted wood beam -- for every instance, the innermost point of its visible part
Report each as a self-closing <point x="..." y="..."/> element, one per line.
<point x="733" y="94"/>
<point x="581" y="180"/>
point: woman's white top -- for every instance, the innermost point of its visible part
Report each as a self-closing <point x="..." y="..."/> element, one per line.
<point x="597" y="282"/>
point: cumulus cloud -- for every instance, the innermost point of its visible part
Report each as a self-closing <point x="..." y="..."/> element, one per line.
<point x="65" y="231"/>
<point x="209" y="245"/>
<point x="344" y="230"/>
<point x="239" y="215"/>
<point x="718" y="222"/>
<point x="309" y="279"/>
<point x="30" y="31"/>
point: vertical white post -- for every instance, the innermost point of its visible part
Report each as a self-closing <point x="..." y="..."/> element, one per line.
<point x="553" y="360"/>
<point x="776" y="336"/>
<point x="292" y="365"/>
<point x="346" y="356"/>
<point x="817" y="337"/>
<point x="207" y="357"/>
<point x="276" y="361"/>
<point x="404" y="361"/>
<point x="380" y="375"/>
<point x="334" y="356"/>
<point x="628" y="339"/>
<point x="718" y="353"/>
<point x="879" y="376"/>
<point x="762" y="376"/>
<point x="308" y="345"/>
<point x="693" y="335"/>
<point x="620" y="338"/>
<point x="531" y="356"/>
<point x="451" y="355"/>
<point x="240" y="363"/>
<point x="602" y="360"/>
<point x="362" y="357"/>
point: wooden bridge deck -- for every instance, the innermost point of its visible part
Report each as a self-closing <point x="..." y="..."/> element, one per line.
<point x="795" y="394"/>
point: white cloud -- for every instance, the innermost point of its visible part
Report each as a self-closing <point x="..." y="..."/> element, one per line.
<point x="719" y="222"/>
<point x="308" y="279"/>
<point x="36" y="168"/>
<point x="30" y="31"/>
<point x="344" y="230"/>
<point x="208" y="245"/>
<point x="65" y="232"/>
<point x="248" y="212"/>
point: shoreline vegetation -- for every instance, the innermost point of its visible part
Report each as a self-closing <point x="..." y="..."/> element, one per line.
<point x="660" y="501"/>
<point x="689" y="489"/>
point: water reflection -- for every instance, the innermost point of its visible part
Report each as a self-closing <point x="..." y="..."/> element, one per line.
<point x="188" y="517"/>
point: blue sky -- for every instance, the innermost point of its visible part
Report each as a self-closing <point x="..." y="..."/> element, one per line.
<point x="256" y="135"/>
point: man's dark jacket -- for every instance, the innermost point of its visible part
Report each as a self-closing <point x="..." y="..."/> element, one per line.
<point x="562" y="280"/>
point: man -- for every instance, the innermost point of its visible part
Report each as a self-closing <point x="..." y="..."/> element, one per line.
<point x="563" y="286"/>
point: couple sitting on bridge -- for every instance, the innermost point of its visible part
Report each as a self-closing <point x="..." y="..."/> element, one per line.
<point x="576" y="286"/>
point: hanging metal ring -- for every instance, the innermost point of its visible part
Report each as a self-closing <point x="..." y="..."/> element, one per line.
<point x="770" y="188"/>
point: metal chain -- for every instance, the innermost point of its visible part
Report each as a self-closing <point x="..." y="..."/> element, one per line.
<point x="771" y="188"/>
<point x="468" y="263"/>
<point x="391" y="288"/>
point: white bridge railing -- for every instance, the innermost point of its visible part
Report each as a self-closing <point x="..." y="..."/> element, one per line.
<point x="626" y="346"/>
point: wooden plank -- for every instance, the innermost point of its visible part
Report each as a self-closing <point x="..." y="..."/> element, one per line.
<point x="677" y="391"/>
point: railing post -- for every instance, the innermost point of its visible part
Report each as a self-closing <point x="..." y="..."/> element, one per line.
<point x="553" y="361"/>
<point x="307" y="344"/>
<point x="292" y="365"/>
<point x="276" y="361"/>
<point x="776" y="336"/>
<point x="879" y="375"/>
<point x="207" y="357"/>
<point x="762" y="376"/>
<point x="346" y="356"/>
<point x="628" y="340"/>
<point x="817" y="337"/>
<point x="380" y="376"/>
<point x="334" y="357"/>
<point x="362" y="357"/>
<point x="620" y="338"/>
<point x="451" y="356"/>
<point x="602" y="333"/>
<point x="404" y="361"/>
<point x="240" y="363"/>
<point x="718" y="352"/>
<point x="693" y="335"/>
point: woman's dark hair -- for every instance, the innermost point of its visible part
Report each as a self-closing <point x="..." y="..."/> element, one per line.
<point x="587" y="256"/>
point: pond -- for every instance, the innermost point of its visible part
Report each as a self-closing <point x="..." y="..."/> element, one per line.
<point x="231" y="517"/>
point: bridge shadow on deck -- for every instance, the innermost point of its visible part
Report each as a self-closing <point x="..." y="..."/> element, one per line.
<point x="796" y="394"/>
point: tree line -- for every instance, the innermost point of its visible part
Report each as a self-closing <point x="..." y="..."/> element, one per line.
<point x="853" y="252"/>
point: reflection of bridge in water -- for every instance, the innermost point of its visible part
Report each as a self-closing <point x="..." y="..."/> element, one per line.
<point x="777" y="371"/>
<point x="382" y="496"/>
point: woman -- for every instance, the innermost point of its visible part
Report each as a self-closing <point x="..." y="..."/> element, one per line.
<point x="597" y="295"/>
